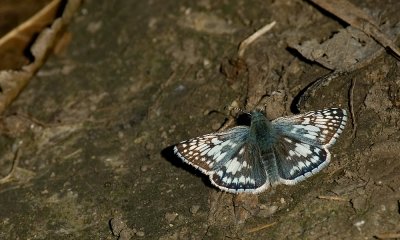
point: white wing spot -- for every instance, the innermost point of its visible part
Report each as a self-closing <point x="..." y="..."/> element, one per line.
<point x="192" y="147"/>
<point x="288" y="140"/>
<point x="220" y="157"/>
<point x="303" y="149"/>
<point x="202" y="145"/>
<point x="242" y="179"/>
<point x="215" y="141"/>
<point x="217" y="149"/>
<point x="244" y="164"/>
<point x="252" y="181"/>
<point x="311" y="128"/>
<point x="294" y="130"/>
<point x="310" y="136"/>
<point x="227" y="180"/>
<point x="301" y="165"/>
<point x="233" y="166"/>
<point x="235" y="181"/>
<point x="232" y="145"/>
<point x="315" y="159"/>
<point x="205" y="151"/>
<point x="292" y="153"/>
<point x="241" y="151"/>
<point x="306" y="121"/>
<point x="294" y="170"/>
<point x="248" y="179"/>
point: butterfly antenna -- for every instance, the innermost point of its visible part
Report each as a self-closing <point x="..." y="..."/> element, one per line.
<point x="239" y="109"/>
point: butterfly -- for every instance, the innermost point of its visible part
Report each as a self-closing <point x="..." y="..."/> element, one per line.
<point x="252" y="158"/>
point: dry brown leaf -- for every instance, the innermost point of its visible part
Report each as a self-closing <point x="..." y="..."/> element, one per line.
<point x="358" y="19"/>
<point x="13" y="81"/>
<point x="347" y="50"/>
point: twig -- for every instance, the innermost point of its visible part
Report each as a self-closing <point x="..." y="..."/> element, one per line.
<point x="387" y="235"/>
<point x="13" y="167"/>
<point x="351" y="108"/>
<point x="245" y="43"/>
<point x="334" y="198"/>
<point x="261" y="227"/>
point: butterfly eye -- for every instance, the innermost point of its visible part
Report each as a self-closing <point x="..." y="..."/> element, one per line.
<point x="244" y="119"/>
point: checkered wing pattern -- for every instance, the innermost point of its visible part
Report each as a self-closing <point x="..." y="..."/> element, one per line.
<point x="249" y="159"/>
<point x="301" y="148"/>
<point x="232" y="161"/>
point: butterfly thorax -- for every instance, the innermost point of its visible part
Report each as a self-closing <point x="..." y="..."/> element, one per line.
<point x="261" y="131"/>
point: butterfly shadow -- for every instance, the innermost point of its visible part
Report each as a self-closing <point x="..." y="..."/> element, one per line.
<point x="170" y="156"/>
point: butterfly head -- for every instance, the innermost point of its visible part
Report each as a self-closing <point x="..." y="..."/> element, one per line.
<point x="257" y="116"/>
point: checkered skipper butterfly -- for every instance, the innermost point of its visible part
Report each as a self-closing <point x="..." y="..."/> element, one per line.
<point x="249" y="159"/>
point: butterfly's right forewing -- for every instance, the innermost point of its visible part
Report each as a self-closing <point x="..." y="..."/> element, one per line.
<point x="208" y="152"/>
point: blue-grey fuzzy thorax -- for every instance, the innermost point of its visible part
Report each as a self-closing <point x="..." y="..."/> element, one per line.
<point x="261" y="130"/>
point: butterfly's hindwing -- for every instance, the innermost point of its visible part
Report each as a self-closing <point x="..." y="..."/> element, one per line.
<point x="233" y="163"/>
<point x="295" y="160"/>
<point x="243" y="173"/>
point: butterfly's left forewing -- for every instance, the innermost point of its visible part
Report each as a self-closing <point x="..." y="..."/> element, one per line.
<point x="319" y="128"/>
